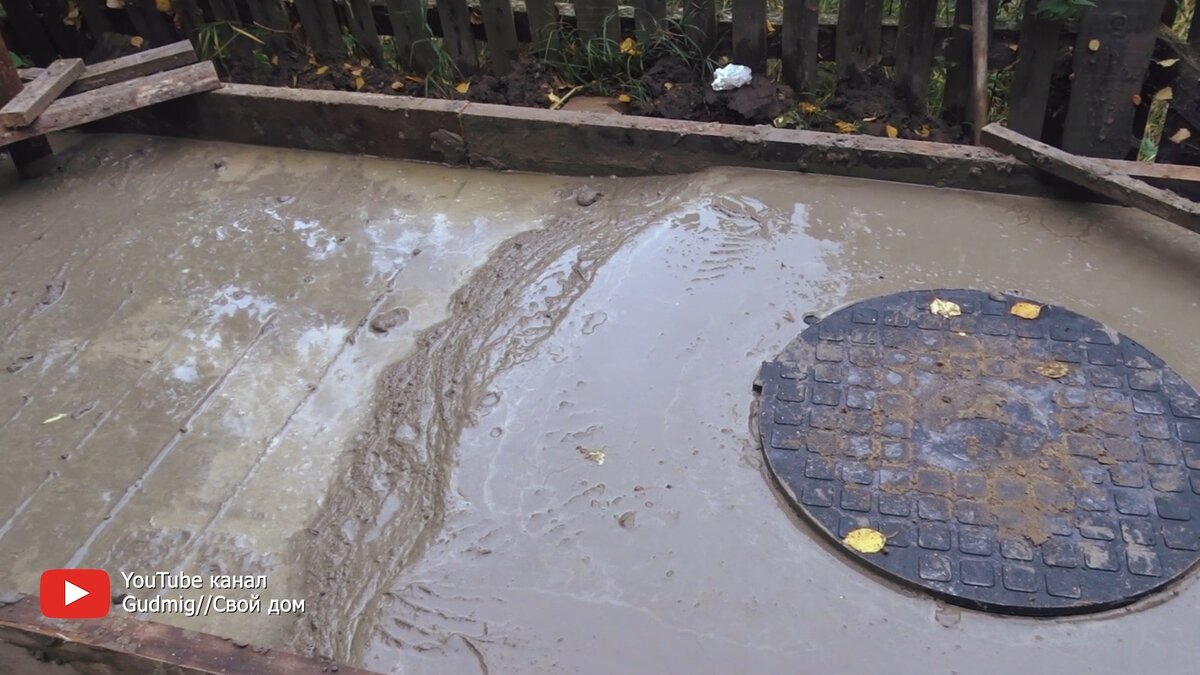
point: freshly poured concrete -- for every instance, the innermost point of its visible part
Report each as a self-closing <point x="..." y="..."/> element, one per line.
<point x="447" y="513"/>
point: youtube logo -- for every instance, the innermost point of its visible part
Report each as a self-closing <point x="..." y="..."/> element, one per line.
<point x="75" y="594"/>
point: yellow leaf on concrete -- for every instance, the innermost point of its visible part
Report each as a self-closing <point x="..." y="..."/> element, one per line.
<point x="865" y="540"/>
<point x="892" y="131"/>
<point x="1165" y="94"/>
<point x="162" y="5"/>
<point x="592" y="455"/>
<point x="944" y="308"/>
<point x="624" y="98"/>
<point x="1167" y="63"/>
<point x="629" y="47"/>
<point x="136" y="41"/>
<point x="1053" y="370"/>
<point x="359" y="82"/>
<point x="462" y="87"/>
<point x="845" y="127"/>
<point x="322" y="70"/>
<point x="1182" y="135"/>
<point x="1026" y="310"/>
<point x="52" y="420"/>
<point x="1094" y="45"/>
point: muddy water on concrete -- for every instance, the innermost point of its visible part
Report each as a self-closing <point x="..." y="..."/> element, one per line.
<point x="562" y="478"/>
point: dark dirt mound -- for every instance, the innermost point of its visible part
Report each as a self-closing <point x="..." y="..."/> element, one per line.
<point x="872" y="101"/>
<point x="676" y="93"/>
<point x="528" y="84"/>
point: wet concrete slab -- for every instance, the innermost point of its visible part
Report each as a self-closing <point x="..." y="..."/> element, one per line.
<point x="556" y="471"/>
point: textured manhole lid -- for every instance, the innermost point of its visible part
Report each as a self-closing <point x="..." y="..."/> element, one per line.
<point x="997" y="485"/>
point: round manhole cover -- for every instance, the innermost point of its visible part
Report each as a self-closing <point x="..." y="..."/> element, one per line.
<point x="1037" y="466"/>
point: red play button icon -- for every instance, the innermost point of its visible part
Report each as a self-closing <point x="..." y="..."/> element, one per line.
<point x="75" y="594"/>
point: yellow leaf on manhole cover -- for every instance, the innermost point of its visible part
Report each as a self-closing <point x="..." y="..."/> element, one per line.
<point x="1026" y="310"/>
<point x="945" y="308"/>
<point x="865" y="540"/>
<point x="1053" y="370"/>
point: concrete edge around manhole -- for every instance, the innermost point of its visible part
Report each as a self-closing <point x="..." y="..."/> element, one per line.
<point x="132" y="645"/>
<point x="569" y="143"/>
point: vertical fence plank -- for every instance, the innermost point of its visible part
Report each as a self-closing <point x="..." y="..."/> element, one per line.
<point x="191" y="17"/>
<point x="67" y="40"/>
<point x="1037" y="49"/>
<point x="1193" y="36"/>
<point x="363" y="29"/>
<point x="271" y="15"/>
<point x="750" y="34"/>
<point x="914" y="50"/>
<point x="957" y="98"/>
<point x="1112" y="54"/>
<point x="94" y="17"/>
<point x="501" y="34"/>
<point x="1184" y="110"/>
<point x="149" y="23"/>
<point x="411" y="35"/>
<point x="456" y="34"/>
<point x="543" y="22"/>
<point x="859" y="35"/>
<point x="649" y="17"/>
<point x="29" y="35"/>
<point x="598" y="18"/>
<point x="801" y="20"/>
<point x="700" y="24"/>
<point x="319" y="21"/>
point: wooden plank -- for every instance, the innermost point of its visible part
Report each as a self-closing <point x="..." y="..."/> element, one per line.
<point x="22" y="109"/>
<point x="501" y="34"/>
<point x="117" y="98"/>
<point x="980" y="39"/>
<point x="914" y="51"/>
<point x="598" y="19"/>
<point x="801" y="21"/>
<point x="457" y="38"/>
<point x="411" y="35"/>
<point x="700" y="25"/>
<point x="132" y="646"/>
<point x="320" y="24"/>
<point x="1093" y="176"/>
<point x="1112" y="54"/>
<point x="362" y="27"/>
<point x="750" y="34"/>
<point x="859" y="35"/>
<point x="649" y="19"/>
<point x="32" y="157"/>
<point x="126" y="67"/>
<point x="1037" y="49"/>
<point x="29" y="35"/>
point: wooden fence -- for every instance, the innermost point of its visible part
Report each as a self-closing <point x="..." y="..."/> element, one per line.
<point x="1118" y="57"/>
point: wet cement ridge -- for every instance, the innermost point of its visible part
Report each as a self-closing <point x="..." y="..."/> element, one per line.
<point x="510" y="305"/>
<point x="200" y="408"/>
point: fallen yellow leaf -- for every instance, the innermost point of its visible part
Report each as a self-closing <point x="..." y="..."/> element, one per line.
<point x="364" y="62"/>
<point x="624" y="98"/>
<point x="1165" y="94"/>
<point x="923" y="132"/>
<point x="397" y="85"/>
<point x="1182" y="135"/>
<point x="462" y="87"/>
<point x="944" y="308"/>
<point x="554" y="98"/>
<point x="114" y="4"/>
<point x="892" y="132"/>
<point x="770" y="28"/>
<point x="1094" y="45"/>
<point x="51" y="420"/>
<point x="845" y="127"/>
<point x="865" y="540"/>
<point x="275" y="60"/>
<point x="1167" y="63"/>
<point x="359" y="82"/>
<point x="629" y="47"/>
<point x="808" y="108"/>
<point x="136" y="41"/>
<point x="1053" y="370"/>
<point x="322" y="70"/>
<point x="1026" y="310"/>
<point x="596" y="456"/>
<point x="1136" y="99"/>
<point x="162" y="5"/>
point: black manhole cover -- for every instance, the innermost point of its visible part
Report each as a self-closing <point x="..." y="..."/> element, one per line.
<point x="1000" y="481"/>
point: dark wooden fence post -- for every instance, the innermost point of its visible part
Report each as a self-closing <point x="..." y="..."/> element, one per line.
<point x="457" y="38"/>
<point x="30" y="36"/>
<point x="501" y="34"/>
<point x="362" y="27"/>
<point x="320" y="24"/>
<point x="859" y="35"/>
<point x="1112" y="54"/>
<point x="957" y="99"/>
<point x="598" y="18"/>
<point x="914" y="51"/>
<point x="269" y="14"/>
<point x="94" y="17"/>
<point x="750" y="34"/>
<point x="649" y="17"/>
<point x="700" y="24"/>
<point x="411" y="35"/>
<point x="1037" y="50"/>
<point x="800" y="29"/>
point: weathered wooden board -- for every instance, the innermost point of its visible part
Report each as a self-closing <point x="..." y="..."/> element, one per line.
<point x="457" y="38"/>
<point x="859" y="35"/>
<point x="914" y="50"/>
<point x="22" y="109"/>
<point x="411" y="35"/>
<point x="750" y="34"/>
<point x="126" y="67"/>
<point x="361" y="22"/>
<point x="33" y="157"/>
<point x="320" y="24"/>
<point x="700" y="23"/>
<point x="501" y="34"/>
<point x="598" y="19"/>
<point x="1095" y="176"/>
<point x="117" y="98"/>
<point x="649" y="17"/>
<point x="1112" y="54"/>
<point x="801" y="24"/>
<point x="1037" y="50"/>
